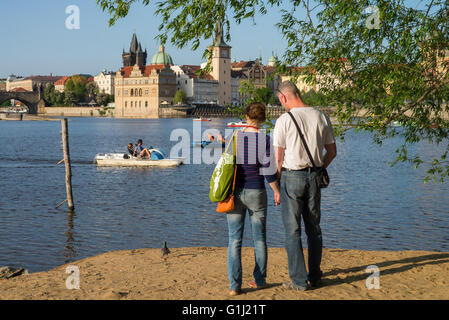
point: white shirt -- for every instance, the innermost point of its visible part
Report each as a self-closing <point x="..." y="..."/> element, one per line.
<point x="317" y="130"/>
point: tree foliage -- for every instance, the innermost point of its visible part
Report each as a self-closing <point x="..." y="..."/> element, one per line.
<point x="6" y="103"/>
<point x="103" y="99"/>
<point x="180" y="97"/>
<point x="377" y="62"/>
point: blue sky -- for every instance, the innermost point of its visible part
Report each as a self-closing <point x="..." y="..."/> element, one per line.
<point x="35" y="40"/>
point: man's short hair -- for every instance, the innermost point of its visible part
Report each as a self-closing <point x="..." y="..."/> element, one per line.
<point x="288" y="86"/>
<point x="139" y="141"/>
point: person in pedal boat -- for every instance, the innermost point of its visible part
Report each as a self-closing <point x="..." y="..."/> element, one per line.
<point x="140" y="151"/>
<point x="131" y="149"/>
<point x="212" y="139"/>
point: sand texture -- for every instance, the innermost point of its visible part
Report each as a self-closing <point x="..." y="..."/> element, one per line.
<point x="201" y="273"/>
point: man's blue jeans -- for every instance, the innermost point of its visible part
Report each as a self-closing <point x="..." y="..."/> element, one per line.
<point x="301" y="196"/>
<point x="255" y="201"/>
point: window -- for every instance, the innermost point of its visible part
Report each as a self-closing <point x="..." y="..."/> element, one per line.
<point x="140" y="92"/>
<point x="132" y="90"/>
<point x="140" y="104"/>
<point x="118" y="92"/>
<point x="146" y="92"/>
<point x="126" y="104"/>
<point x="126" y="92"/>
<point x="131" y="104"/>
<point x="146" y="104"/>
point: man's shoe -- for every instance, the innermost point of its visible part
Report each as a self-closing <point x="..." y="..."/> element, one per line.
<point x="316" y="283"/>
<point x="291" y="286"/>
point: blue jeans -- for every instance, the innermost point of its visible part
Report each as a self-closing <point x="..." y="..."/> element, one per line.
<point x="255" y="201"/>
<point x="301" y="196"/>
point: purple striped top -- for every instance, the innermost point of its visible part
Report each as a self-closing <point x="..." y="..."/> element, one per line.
<point x="255" y="160"/>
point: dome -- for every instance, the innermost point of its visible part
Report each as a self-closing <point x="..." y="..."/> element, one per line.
<point x="162" y="57"/>
<point x="272" y="61"/>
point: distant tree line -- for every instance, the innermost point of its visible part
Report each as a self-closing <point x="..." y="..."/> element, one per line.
<point x="76" y="90"/>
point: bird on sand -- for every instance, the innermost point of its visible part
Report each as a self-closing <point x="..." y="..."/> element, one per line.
<point x="165" y="251"/>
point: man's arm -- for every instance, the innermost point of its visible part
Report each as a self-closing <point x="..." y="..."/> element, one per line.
<point x="331" y="153"/>
<point x="279" y="160"/>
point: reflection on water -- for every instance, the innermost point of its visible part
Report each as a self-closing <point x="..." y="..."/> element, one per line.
<point x="69" y="248"/>
<point x="369" y="205"/>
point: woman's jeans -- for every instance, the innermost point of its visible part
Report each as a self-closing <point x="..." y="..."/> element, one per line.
<point x="255" y="201"/>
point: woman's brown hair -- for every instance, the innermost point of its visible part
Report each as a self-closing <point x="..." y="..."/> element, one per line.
<point x="256" y="111"/>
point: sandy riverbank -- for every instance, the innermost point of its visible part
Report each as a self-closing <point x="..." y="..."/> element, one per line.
<point x="200" y="273"/>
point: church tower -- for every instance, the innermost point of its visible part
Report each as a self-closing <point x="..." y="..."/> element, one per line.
<point x="135" y="54"/>
<point x="221" y="66"/>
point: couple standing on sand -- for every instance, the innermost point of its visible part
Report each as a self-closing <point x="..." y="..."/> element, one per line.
<point x="294" y="187"/>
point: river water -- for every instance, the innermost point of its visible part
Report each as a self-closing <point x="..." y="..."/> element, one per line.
<point x="369" y="205"/>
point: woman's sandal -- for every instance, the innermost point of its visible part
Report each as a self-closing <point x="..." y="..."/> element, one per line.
<point x="253" y="284"/>
<point x="234" y="292"/>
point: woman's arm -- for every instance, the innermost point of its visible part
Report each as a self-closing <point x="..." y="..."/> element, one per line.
<point x="277" y="194"/>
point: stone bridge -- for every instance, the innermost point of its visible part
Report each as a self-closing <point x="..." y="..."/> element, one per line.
<point x="34" y="100"/>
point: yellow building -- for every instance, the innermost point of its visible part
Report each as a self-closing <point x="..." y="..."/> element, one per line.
<point x="301" y="83"/>
<point x="29" y="83"/>
<point x="139" y="91"/>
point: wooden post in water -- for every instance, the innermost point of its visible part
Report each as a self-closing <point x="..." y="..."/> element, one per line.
<point x="68" y="169"/>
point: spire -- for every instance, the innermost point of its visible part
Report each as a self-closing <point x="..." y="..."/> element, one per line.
<point x="218" y="41"/>
<point x="134" y="44"/>
<point x="139" y="48"/>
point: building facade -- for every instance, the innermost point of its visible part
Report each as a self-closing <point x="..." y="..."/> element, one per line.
<point x="105" y="82"/>
<point x="199" y="89"/>
<point x="29" y="83"/>
<point x="60" y="84"/>
<point x="139" y="91"/>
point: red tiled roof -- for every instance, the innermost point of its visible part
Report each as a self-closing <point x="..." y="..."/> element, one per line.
<point x="126" y="71"/>
<point x="62" y="81"/>
<point x="191" y="71"/>
<point x="20" y="89"/>
<point x="242" y="64"/>
<point x="91" y="79"/>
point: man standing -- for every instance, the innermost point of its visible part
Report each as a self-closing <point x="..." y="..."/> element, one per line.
<point x="300" y="194"/>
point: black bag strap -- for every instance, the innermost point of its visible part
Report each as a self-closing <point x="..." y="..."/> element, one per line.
<point x="302" y="139"/>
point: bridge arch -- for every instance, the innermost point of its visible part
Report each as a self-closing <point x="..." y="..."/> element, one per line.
<point x="32" y="100"/>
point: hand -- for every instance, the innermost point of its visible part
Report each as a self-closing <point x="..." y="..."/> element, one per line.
<point x="277" y="198"/>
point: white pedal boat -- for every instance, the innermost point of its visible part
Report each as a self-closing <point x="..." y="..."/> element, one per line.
<point x="126" y="160"/>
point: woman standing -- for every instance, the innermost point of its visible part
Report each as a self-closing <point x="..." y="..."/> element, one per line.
<point x="251" y="197"/>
